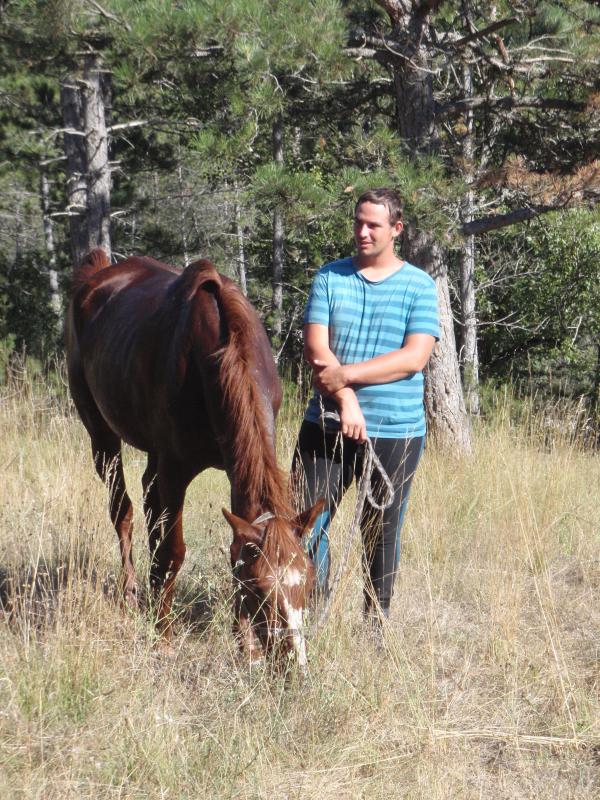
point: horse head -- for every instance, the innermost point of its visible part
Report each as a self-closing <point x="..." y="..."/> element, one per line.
<point x="274" y="578"/>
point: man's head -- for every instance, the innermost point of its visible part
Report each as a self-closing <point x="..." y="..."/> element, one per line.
<point x="383" y="197"/>
<point x="377" y="224"/>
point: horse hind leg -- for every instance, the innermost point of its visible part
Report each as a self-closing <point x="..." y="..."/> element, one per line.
<point x="109" y="465"/>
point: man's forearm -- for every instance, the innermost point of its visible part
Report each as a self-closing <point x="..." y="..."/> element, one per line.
<point x="331" y="376"/>
<point x="384" y="368"/>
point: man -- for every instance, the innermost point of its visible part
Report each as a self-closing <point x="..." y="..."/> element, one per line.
<point x="370" y="325"/>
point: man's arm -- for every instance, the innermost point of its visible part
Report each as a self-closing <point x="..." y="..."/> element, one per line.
<point x="331" y="377"/>
<point x="316" y="351"/>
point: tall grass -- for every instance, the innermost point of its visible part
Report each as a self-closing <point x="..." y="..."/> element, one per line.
<point x="487" y="686"/>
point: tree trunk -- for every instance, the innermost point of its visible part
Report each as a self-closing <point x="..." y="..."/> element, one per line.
<point x="88" y="170"/>
<point x="98" y="169"/>
<point x="18" y="226"/>
<point x="239" y="230"/>
<point x="468" y="346"/>
<point x="75" y="151"/>
<point x="184" y="238"/>
<point x="447" y="418"/>
<point x="55" y="298"/>
<point x="468" y="318"/>
<point x="278" y="240"/>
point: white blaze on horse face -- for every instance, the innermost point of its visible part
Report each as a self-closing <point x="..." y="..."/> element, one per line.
<point x="293" y="577"/>
<point x="295" y="621"/>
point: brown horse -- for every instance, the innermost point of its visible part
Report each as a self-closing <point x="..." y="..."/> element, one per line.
<point x="178" y="364"/>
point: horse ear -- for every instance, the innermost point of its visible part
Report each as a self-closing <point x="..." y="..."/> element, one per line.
<point x="304" y="521"/>
<point x="243" y="533"/>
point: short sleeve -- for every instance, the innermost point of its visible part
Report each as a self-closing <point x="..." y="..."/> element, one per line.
<point x="424" y="316"/>
<point x="317" y="307"/>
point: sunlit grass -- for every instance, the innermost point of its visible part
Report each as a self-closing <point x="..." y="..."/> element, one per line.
<point x="488" y="684"/>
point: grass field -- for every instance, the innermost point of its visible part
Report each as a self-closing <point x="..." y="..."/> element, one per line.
<point x="488" y="685"/>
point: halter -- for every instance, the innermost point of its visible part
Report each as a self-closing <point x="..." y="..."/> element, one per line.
<point x="263" y="518"/>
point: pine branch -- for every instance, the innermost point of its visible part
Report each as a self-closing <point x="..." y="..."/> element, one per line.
<point x="465" y="40"/>
<point x="494" y="222"/>
<point x="107" y="15"/>
<point x="507" y="103"/>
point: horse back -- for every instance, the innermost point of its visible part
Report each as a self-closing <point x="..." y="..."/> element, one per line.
<point x="172" y="361"/>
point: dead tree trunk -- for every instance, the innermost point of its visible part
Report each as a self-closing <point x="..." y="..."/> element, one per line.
<point x="239" y="232"/>
<point x="86" y="149"/>
<point x="469" y="355"/>
<point x="71" y="102"/>
<point x="98" y="169"/>
<point x="278" y="242"/>
<point x="55" y="298"/>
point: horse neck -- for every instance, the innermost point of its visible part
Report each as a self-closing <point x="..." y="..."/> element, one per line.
<point x="258" y="484"/>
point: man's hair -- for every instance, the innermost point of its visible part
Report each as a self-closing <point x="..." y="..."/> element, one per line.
<point x="383" y="197"/>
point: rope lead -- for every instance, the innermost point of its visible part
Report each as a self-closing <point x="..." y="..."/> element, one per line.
<point x="371" y="463"/>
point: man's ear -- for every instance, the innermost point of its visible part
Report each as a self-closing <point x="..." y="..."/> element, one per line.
<point x="243" y="533"/>
<point x="304" y="521"/>
<point x="398" y="228"/>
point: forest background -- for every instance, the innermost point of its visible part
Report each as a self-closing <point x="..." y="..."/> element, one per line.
<point x="244" y="131"/>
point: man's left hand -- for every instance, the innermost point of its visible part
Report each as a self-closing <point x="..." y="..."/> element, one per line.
<point x="328" y="378"/>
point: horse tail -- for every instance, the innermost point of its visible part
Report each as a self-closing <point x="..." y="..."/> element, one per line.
<point x="95" y="260"/>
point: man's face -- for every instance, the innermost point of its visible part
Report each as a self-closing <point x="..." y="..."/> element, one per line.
<point x="373" y="233"/>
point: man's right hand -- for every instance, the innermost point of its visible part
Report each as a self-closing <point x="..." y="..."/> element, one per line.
<point x="351" y="417"/>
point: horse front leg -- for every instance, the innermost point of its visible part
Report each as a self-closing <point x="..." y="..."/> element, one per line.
<point x="167" y="544"/>
<point x="109" y="465"/>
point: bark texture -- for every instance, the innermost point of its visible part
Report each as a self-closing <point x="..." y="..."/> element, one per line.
<point x="469" y="353"/>
<point x="447" y="420"/>
<point x="55" y="298"/>
<point x="98" y="169"/>
<point x="86" y="148"/>
<point x="71" y="102"/>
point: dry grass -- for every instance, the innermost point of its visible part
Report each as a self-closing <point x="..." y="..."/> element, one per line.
<point x="488" y="685"/>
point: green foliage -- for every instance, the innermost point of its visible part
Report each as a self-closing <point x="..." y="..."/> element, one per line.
<point x="26" y="319"/>
<point x="549" y="300"/>
<point x="206" y="81"/>
<point x="299" y="193"/>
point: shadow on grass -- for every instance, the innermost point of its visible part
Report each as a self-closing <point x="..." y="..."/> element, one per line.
<point x="37" y="593"/>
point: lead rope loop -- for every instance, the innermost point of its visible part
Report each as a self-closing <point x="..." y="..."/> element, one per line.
<point x="371" y="462"/>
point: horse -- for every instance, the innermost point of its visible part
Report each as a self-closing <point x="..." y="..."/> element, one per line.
<point x="178" y="365"/>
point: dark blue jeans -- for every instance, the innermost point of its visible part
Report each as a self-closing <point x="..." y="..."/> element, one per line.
<point x="324" y="465"/>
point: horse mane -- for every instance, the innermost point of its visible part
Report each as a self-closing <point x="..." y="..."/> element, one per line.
<point x="255" y="463"/>
<point x="94" y="261"/>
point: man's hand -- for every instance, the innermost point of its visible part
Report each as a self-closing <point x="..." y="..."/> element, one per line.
<point x="353" y="423"/>
<point x="328" y="378"/>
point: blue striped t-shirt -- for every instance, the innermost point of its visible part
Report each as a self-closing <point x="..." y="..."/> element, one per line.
<point x="366" y="319"/>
